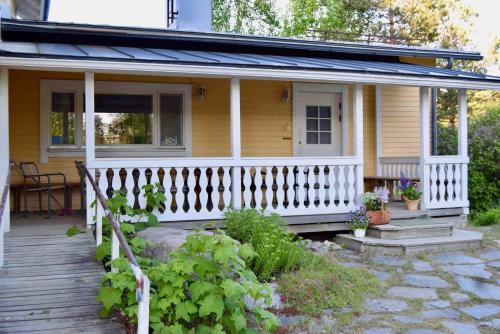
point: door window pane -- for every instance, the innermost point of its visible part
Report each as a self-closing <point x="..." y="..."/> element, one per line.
<point x="319" y="124"/>
<point x="324" y="124"/>
<point x="312" y="137"/>
<point x="325" y="138"/>
<point x="171" y="119"/>
<point x="325" y="112"/>
<point x="312" y="111"/>
<point x="123" y="119"/>
<point x="62" y="119"/>
<point x="312" y="124"/>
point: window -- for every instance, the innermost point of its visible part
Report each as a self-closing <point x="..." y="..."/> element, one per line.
<point x="318" y="123"/>
<point x="131" y="119"/>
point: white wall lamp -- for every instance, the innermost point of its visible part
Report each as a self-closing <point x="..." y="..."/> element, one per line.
<point x="201" y="92"/>
<point x="285" y="95"/>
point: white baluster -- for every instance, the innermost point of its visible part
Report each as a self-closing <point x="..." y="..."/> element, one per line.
<point x="351" y="189"/>
<point x="300" y="191"/>
<point x="142" y="182"/>
<point x="322" y="180"/>
<point x="332" y="192"/>
<point x="269" y="188"/>
<point x="214" y="184"/>
<point x="458" y="183"/>
<point x="191" y="193"/>
<point x="203" y="180"/>
<point x="129" y="185"/>
<point x="342" y="186"/>
<point x="280" y="192"/>
<point x="247" y="182"/>
<point x="258" y="188"/>
<point x="449" y="185"/>
<point x="434" y="188"/>
<point x="226" y="182"/>
<point x="167" y="185"/>
<point x="442" y="178"/>
<point x="179" y="184"/>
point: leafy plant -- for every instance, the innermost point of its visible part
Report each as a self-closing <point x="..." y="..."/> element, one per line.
<point x="73" y="230"/>
<point x="359" y="219"/>
<point x="490" y="217"/>
<point x="200" y="290"/>
<point x="277" y="249"/>
<point x="370" y="201"/>
<point x="409" y="189"/>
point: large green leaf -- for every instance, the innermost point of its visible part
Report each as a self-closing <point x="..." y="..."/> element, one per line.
<point x="212" y="304"/>
<point x="109" y="297"/>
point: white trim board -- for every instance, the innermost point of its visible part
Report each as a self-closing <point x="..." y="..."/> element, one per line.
<point x="243" y="73"/>
<point x="78" y="150"/>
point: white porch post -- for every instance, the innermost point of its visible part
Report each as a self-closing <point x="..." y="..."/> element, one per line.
<point x="378" y="129"/>
<point x="358" y="137"/>
<point x="462" y="145"/>
<point x="424" y="146"/>
<point x="4" y="142"/>
<point x="89" y="139"/>
<point x="235" y="141"/>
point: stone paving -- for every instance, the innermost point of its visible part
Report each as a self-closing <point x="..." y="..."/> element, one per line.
<point x="447" y="293"/>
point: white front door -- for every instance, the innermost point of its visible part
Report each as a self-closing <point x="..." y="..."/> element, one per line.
<point x="318" y="124"/>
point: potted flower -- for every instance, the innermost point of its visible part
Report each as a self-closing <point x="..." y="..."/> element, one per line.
<point x="374" y="204"/>
<point x="359" y="221"/>
<point x="410" y="193"/>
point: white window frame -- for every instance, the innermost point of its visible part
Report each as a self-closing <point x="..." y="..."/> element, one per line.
<point x="47" y="87"/>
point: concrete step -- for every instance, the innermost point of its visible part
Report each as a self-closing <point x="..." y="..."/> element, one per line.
<point x="397" y="232"/>
<point x="460" y="240"/>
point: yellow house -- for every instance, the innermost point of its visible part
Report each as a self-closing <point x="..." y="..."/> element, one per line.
<point x="222" y="120"/>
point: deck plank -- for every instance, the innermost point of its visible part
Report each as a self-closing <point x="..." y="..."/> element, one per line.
<point x="49" y="281"/>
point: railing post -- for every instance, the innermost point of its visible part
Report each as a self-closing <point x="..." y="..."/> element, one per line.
<point x="378" y="129"/>
<point x="4" y="142"/>
<point x="89" y="137"/>
<point x="358" y="138"/>
<point x="143" y="313"/>
<point x="115" y="249"/>
<point x="424" y="146"/>
<point x="462" y="146"/>
<point x="235" y="142"/>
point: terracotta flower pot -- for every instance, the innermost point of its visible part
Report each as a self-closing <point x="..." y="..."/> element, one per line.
<point x="379" y="217"/>
<point x="359" y="233"/>
<point x="412" y="205"/>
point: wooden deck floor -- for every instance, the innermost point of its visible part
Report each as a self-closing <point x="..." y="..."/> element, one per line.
<point x="49" y="282"/>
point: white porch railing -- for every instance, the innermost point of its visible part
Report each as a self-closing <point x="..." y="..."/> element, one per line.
<point x="446" y="178"/>
<point x="201" y="189"/>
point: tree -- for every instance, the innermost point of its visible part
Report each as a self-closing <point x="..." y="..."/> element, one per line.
<point x="246" y="16"/>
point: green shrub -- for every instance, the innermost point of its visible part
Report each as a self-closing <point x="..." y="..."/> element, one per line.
<point x="490" y="217"/>
<point x="200" y="290"/>
<point x="322" y="283"/>
<point x="277" y="249"/>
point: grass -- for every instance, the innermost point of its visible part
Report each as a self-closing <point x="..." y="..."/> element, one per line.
<point x="322" y="283"/>
<point x="490" y="217"/>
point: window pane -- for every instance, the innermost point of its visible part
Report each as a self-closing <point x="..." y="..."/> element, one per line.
<point x="312" y="111"/>
<point x="171" y="119"/>
<point x="123" y="119"/>
<point x="62" y="119"/>
<point x="325" y="112"/>
<point x="312" y="137"/>
<point x="324" y="124"/>
<point x="312" y="124"/>
<point x="325" y="138"/>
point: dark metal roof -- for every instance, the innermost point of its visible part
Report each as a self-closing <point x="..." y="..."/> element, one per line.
<point x="50" y="32"/>
<point x="208" y="58"/>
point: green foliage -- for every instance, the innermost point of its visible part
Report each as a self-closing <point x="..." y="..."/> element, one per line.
<point x="411" y="192"/>
<point x="73" y="230"/>
<point x="200" y="290"/>
<point x="490" y="217"/>
<point x="277" y="249"/>
<point x="370" y="201"/>
<point x="321" y="283"/>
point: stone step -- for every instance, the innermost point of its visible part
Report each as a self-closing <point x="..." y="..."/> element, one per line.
<point x="459" y="240"/>
<point x="397" y="232"/>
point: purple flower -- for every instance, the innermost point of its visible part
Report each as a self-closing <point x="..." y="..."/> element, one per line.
<point x="404" y="182"/>
<point x="382" y="194"/>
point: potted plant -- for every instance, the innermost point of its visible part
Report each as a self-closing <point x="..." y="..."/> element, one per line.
<point x="410" y="193"/>
<point x="374" y="204"/>
<point x="359" y="221"/>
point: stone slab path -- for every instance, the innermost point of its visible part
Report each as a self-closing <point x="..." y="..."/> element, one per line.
<point x="446" y="293"/>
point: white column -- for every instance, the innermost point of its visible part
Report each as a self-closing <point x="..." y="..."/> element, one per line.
<point x="378" y="129"/>
<point x="358" y="136"/>
<point x="462" y="145"/>
<point x="236" y="141"/>
<point x="4" y="142"/>
<point x="89" y="140"/>
<point x="424" y="145"/>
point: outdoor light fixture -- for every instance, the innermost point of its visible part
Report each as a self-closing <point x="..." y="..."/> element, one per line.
<point x="285" y="96"/>
<point x="201" y="92"/>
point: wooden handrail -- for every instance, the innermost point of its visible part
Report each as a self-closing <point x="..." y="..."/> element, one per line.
<point x="5" y="192"/>
<point x="142" y="281"/>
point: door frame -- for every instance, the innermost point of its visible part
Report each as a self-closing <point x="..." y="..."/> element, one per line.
<point x="300" y="87"/>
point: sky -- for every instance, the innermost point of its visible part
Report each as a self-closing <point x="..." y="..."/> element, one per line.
<point x="152" y="13"/>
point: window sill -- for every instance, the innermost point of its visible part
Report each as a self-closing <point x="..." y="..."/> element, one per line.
<point x="118" y="152"/>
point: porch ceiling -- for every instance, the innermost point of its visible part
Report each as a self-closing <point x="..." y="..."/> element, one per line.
<point x="15" y="52"/>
